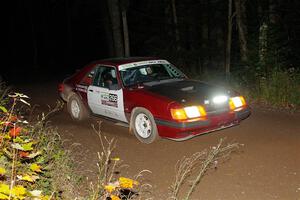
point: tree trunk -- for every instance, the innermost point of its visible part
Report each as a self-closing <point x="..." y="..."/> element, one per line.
<point x="168" y="20"/>
<point x="124" y="7"/>
<point x="175" y="23"/>
<point x="209" y="36"/>
<point x="240" y="8"/>
<point x="115" y="18"/>
<point x="69" y="32"/>
<point x="272" y="11"/>
<point x="228" y="41"/>
<point x="107" y="28"/>
<point x="263" y="42"/>
<point x="126" y="35"/>
<point x="262" y="38"/>
<point x="204" y="40"/>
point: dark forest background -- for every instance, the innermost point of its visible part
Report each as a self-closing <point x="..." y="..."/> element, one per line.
<point x="253" y="44"/>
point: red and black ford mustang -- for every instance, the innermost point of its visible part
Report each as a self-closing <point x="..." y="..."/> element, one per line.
<point x="153" y="97"/>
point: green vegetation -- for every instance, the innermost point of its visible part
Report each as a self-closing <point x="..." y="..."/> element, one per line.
<point x="33" y="164"/>
<point x="279" y="89"/>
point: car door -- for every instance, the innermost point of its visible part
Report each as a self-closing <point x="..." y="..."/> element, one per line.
<point x="105" y="96"/>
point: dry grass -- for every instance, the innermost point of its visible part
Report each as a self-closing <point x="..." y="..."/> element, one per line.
<point x="108" y="175"/>
<point x="192" y="169"/>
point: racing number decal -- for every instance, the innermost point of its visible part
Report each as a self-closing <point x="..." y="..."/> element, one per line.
<point x="106" y="103"/>
<point x="109" y="99"/>
<point x="113" y="98"/>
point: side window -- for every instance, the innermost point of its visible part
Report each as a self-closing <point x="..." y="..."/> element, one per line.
<point x="88" y="79"/>
<point x="106" y="77"/>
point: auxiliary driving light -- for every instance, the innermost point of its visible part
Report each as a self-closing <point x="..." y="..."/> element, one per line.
<point x="220" y="99"/>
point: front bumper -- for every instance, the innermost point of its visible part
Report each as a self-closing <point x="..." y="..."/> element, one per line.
<point x="184" y="130"/>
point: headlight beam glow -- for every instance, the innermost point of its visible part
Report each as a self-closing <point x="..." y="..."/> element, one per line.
<point x="220" y="99"/>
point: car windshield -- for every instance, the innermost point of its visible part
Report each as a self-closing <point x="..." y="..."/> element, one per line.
<point x="149" y="73"/>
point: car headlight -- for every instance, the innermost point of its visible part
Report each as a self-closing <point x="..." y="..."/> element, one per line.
<point x="236" y="102"/>
<point x="192" y="111"/>
<point x="188" y="112"/>
<point x="220" y="99"/>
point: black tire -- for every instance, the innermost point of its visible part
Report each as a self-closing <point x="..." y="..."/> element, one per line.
<point x="143" y="125"/>
<point x="82" y="113"/>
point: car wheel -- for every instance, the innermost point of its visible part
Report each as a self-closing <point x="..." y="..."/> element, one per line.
<point x="144" y="126"/>
<point x="77" y="109"/>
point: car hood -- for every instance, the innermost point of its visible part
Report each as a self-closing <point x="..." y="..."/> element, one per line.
<point x="187" y="92"/>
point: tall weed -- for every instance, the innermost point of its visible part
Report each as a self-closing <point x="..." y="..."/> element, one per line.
<point x="282" y="88"/>
<point x="33" y="163"/>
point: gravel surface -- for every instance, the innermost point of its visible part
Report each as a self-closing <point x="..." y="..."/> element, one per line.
<point x="267" y="168"/>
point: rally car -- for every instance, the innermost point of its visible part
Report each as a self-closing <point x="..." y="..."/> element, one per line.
<point x="153" y="97"/>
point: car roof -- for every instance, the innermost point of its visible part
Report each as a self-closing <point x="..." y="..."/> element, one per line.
<point x="123" y="60"/>
<point x="110" y="61"/>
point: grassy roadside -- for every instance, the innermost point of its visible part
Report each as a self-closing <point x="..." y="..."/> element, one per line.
<point x="279" y="91"/>
<point x="33" y="164"/>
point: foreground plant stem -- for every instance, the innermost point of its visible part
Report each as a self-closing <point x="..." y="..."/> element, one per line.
<point x="213" y="156"/>
<point x="210" y="159"/>
<point x="13" y="177"/>
<point x="13" y="167"/>
<point x="196" y="166"/>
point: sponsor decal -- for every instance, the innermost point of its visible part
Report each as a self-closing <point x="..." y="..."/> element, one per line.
<point x="109" y="99"/>
<point x="81" y="88"/>
<point x="141" y="63"/>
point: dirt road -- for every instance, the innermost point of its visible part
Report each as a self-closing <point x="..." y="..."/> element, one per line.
<point x="268" y="167"/>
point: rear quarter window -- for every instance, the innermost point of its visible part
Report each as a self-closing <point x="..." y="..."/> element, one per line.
<point x="88" y="78"/>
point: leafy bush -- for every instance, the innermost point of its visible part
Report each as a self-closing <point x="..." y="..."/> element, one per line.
<point x="282" y="88"/>
<point x="4" y="90"/>
<point x="32" y="157"/>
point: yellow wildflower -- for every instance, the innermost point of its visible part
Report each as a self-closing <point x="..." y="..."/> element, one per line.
<point x="3" y="196"/>
<point x="45" y="197"/>
<point x="18" y="191"/>
<point x="4" y="189"/>
<point x="127" y="182"/>
<point x="2" y="171"/>
<point x="35" y="167"/>
<point x="110" y="188"/>
<point x="28" y="178"/>
<point x="114" y="197"/>
<point x="115" y="159"/>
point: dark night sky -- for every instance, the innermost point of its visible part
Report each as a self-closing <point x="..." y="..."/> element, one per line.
<point x="44" y="25"/>
<point x="58" y="36"/>
<point x="68" y="34"/>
